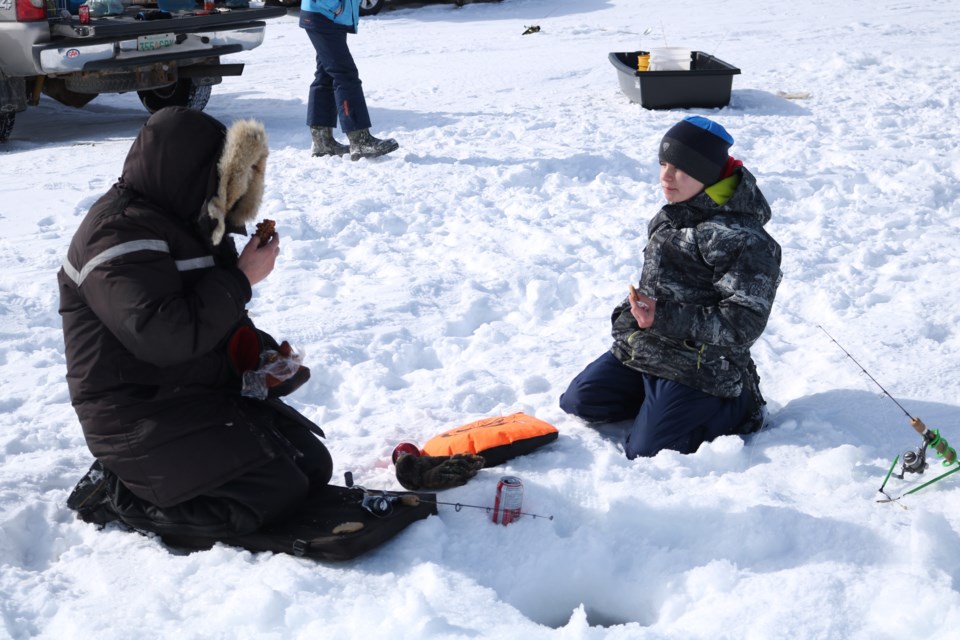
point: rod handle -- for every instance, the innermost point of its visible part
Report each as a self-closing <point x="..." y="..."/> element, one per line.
<point x="941" y="446"/>
<point x="918" y="425"/>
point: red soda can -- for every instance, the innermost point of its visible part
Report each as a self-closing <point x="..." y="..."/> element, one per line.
<point x="506" y="507"/>
<point x="84" y="12"/>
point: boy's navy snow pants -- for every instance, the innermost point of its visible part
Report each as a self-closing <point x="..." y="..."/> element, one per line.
<point x="665" y="414"/>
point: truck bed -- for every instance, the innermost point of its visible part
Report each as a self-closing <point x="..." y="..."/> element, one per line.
<point x="127" y="25"/>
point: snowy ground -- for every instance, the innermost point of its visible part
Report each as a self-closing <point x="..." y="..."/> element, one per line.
<point x="472" y="273"/>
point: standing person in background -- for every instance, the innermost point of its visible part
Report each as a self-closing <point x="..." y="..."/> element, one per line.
<point x="336" y="88"/>
<point x="680" y="365"/>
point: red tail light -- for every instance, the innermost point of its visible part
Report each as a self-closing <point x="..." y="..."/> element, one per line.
<point x="31" y="10"/>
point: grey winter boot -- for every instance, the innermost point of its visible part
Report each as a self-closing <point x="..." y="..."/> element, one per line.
<point x="364" y="145"/>
<point x="324" y="144"/>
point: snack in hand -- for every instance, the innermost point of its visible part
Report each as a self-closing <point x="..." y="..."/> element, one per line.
<point x="634" y="296"/>
<point x="265" y="231"/>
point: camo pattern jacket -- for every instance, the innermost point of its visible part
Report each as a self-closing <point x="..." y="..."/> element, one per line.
<point x="714" y="272"/>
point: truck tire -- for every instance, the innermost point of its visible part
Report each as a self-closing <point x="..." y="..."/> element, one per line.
<point x="371" y="7"/>
<point x="183" y="93"/>
<point x="6" y="124"/>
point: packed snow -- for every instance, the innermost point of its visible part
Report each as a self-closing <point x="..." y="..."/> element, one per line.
<point x="472" y="273"/>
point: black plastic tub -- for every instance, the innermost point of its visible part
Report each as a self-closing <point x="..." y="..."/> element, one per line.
<point x="707" y="84"/>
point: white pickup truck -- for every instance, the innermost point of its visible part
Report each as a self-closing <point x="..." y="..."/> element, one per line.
<point x="167" y="58"/>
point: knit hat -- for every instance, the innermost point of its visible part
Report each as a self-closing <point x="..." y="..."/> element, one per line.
<point x="697" y="146"/>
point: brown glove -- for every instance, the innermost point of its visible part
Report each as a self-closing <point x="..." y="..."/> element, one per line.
<point x="437" y="472"/>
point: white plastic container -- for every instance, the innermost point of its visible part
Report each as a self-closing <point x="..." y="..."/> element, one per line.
<point x="670" y="59"/>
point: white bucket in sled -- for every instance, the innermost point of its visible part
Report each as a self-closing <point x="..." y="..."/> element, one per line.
<point x="670" y="59"/>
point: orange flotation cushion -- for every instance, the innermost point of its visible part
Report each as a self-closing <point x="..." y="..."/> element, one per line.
<point x="496" y="439"/>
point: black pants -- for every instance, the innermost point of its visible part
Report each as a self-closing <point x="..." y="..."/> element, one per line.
<point x="243" y="505"/>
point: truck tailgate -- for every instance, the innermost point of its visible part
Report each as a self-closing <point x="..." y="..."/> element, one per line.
<point x="122" y="41"/>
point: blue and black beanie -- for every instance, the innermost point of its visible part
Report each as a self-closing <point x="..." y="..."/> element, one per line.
<point x="697" y="146"/>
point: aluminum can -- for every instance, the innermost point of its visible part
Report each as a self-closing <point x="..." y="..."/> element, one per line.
<point x="509" y="500"/>
<point x="405" y="448"/>
<point x="84" y="12"/>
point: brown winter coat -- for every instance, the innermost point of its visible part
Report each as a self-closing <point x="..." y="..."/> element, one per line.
<point x="150" y="293"/>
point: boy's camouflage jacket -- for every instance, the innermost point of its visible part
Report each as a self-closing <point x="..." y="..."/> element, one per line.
<point x="714" y="272"/>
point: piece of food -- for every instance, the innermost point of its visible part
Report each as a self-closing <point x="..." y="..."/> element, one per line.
<point x="265" y="231"/>
<point x="347" y="527"/>
<point x="634" y="296"/>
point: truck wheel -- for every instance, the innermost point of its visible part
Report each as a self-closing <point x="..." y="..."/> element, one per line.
<point x="183" y="93"/>
<point x="371" y="7"/>
<point x="6" y="124"/>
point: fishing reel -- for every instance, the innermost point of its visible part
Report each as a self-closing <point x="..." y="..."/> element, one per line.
<point x="914" y="460"/>
<point x="379" y="503"/>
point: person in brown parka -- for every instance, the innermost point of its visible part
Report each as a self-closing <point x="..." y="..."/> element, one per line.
<point x="152" y="296"/>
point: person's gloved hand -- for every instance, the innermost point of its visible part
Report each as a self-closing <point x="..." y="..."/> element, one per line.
<point x="267" y="369"/>
<point x="437" y="472"/>
<point x="283" y="370"/>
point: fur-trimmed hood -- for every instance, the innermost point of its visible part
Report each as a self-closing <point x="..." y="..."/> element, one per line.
<point x="241" y="170"/>
<point x="191" y="166"/>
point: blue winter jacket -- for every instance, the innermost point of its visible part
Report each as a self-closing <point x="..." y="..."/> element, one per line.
<point x="342" y="12"/>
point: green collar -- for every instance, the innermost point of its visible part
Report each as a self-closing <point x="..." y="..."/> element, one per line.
<point x="722" y="191"/>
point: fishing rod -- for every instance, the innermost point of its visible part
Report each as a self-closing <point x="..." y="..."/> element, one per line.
<point x="457" y="506"/>
<point x="914" y="461"/>
<point x="536" y="28"/>
<point x="380" y="502"/>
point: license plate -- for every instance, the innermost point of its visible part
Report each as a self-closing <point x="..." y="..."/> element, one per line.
<point x="155" y="41"/>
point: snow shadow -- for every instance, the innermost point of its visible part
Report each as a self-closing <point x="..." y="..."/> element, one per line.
<point x="106" y="118"/>
<point x="410" y="9"/>
<point x="634" y="557"/>
<point x="764" y="103"/>
<point x="862" y="419"/>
